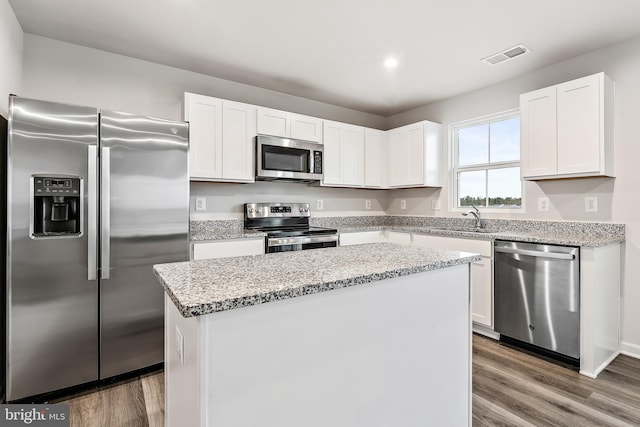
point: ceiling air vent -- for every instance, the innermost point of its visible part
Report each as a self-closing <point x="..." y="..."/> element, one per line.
<point x="507" y="54"/>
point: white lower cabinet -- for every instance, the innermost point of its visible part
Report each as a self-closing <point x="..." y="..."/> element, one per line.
<point x="481" y="272"/>
<point x="228" y="248"/>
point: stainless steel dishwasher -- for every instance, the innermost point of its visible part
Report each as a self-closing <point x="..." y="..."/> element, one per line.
<point x="537" y="297"/>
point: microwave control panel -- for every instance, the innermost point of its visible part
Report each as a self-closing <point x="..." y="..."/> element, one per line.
<point x="317" y="162"/>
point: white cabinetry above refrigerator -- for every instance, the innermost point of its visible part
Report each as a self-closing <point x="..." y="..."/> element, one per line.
<point x="221" y="140"/>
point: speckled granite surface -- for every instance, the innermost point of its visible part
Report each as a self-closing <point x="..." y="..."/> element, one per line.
<point x="571" y="233"/>
<point x="220" y="230"/>
<point x="209" y="286"/>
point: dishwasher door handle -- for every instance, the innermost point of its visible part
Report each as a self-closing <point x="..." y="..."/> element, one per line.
<point x="539" y="254"/>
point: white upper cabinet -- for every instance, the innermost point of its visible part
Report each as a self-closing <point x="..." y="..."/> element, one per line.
<point x="343" y="155"/>
<point x="375" y="159"/>
<point x="238" y="132"/>
<point x="538" y="128"/>
<point x="414" y="153"/>
<point x="274" y="122"/>
<point x="289" y="125"/>
<point x="221" y="139"/>
<point x="567" y="129"/>
<point x="306" y="128"/>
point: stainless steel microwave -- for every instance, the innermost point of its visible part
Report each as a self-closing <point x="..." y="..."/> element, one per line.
<point x="288" y="159"/>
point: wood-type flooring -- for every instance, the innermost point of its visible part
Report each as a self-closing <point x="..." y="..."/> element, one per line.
<point x="510" y="388"/>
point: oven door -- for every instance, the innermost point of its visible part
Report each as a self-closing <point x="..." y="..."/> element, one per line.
<point x="288" y="244"/>
<point x="281" y="158"/>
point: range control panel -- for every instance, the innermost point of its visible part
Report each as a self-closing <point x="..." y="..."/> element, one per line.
<point x="266" y="210"/>
<point x="56" y="186"/>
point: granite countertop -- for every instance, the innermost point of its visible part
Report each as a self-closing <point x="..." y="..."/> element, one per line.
<point x="570" y="233"/>
<point x="221" y="230"/>
<point x="534" y="236"/>
<point x="213" y="285"/>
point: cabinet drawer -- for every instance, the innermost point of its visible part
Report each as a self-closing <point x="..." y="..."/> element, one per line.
<point x="359" y="238"/>
<point x="482" y="247"/>
<point x="228" y="248"/>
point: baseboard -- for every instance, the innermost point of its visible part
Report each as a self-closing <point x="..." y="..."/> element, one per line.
<point x="487" y="332"/>
<point x="600" y="368"/>
<point x="631" y="350"/>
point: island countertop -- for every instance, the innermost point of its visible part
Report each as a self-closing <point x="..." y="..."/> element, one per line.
<point x="208" y="286"/>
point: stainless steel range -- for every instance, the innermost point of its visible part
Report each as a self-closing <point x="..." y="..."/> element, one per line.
<point x="287" y="227"/>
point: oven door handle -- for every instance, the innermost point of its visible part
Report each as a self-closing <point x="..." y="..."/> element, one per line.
<point x="284" y="241"/>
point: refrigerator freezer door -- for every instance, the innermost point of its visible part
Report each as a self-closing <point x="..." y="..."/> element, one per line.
<point x="52" y="338"/>
<point x="145" y="221"/>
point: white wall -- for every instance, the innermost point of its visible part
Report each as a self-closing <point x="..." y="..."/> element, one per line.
<point x="11" y="54"/>
<point x="225" y="200"/>
<point x="618" y="199"/>
<point x="64" y="72"/>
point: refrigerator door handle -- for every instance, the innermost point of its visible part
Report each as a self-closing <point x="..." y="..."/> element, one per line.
<point x="92" y="214"/>
<point x="105" y="221"/>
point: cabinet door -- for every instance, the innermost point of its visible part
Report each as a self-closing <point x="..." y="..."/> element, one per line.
<point x="331" y="159"/>
<point x="415" y="157"/>
<point x="274" y="122"/>
<point x="398" y="155"/>
<point x="482" y="292"/>
<point x="352" y="156"/>
<point x="579" y="126"/>
<point x="306" y="128"/>
<point x="374" y="158"/>
<point x="538" y="137"/>
<point x="238" y="132"/>
<point x="204" y="115"/>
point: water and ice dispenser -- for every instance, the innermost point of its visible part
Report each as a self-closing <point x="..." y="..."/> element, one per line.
<point x="56" y="206"/>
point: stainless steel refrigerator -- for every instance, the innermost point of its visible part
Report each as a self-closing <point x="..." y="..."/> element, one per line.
<point x="94" y="200"/>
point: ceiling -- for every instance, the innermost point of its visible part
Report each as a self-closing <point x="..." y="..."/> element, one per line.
<point x="333" y="50"/>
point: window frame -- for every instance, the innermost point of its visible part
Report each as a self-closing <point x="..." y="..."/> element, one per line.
<point x="455" y="169"/>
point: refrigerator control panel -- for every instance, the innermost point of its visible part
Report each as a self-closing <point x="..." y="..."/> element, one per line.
<point x="52" y="186"/>
<point x="56" y="210"/>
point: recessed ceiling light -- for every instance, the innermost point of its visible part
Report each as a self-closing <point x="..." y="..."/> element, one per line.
<point x="391" y="63"/>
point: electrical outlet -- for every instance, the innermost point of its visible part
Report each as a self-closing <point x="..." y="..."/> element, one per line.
<point x="591" y="204"/>
<point x="367" y="204"/>
<point x="403" y="204"/>
<point x="179" y="345"/>
<point x="543" y="203"/>
<point x="319" y="204"/>
<point x="201" y="204"/>
<point x="435" y="205"/>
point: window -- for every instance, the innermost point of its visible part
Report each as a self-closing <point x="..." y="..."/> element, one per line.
<point x="486" y="162"/>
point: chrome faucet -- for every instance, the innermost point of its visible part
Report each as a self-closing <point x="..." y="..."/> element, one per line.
<point x="476" y="213"/>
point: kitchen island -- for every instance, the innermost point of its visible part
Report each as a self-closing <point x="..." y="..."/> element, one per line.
<point x="368" y="335"/>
